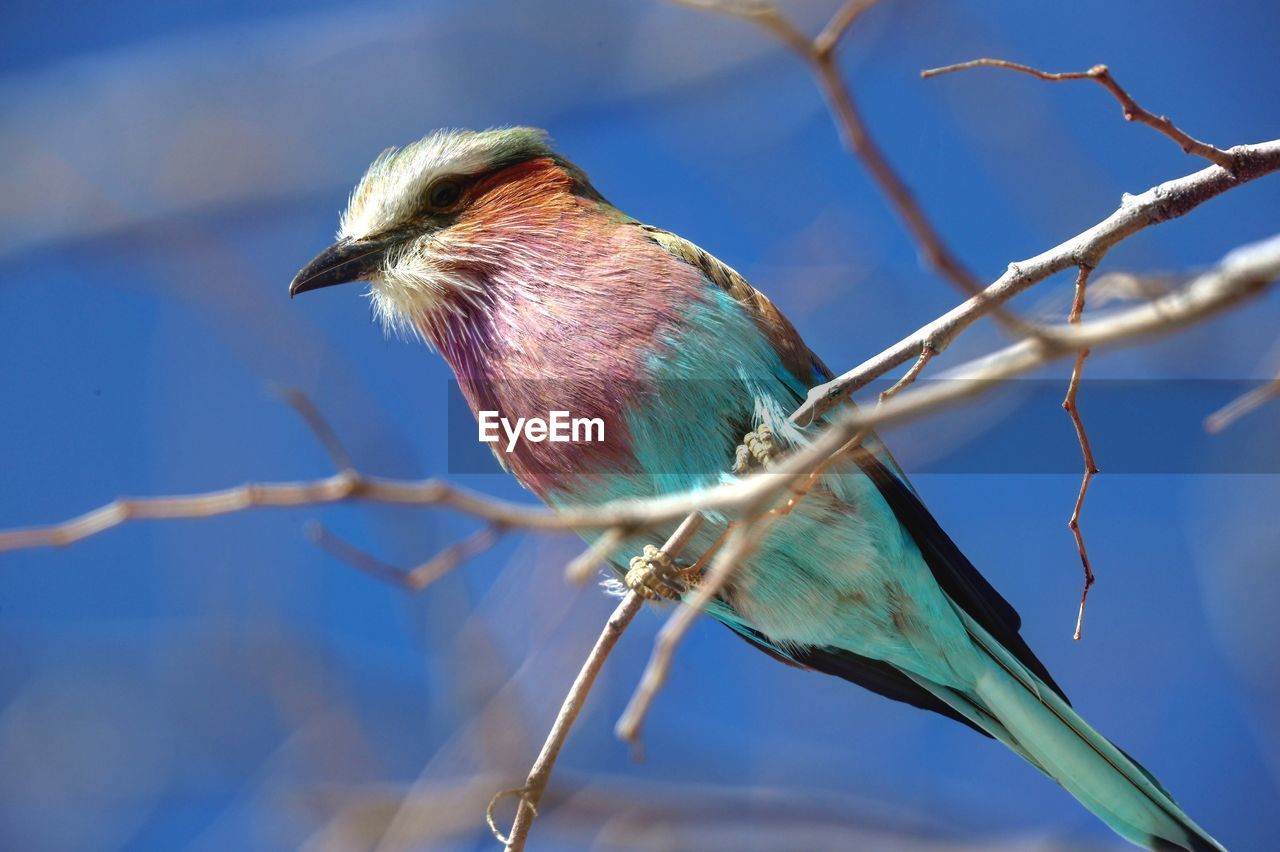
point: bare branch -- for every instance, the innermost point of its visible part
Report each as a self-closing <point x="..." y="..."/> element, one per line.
<point x="849" y="12"/>
<point x="1203" y="297"/>
<point x="531" y="793"/>
<point x="416" y="579"/>
<point x="1132" y="110"/>
<point x="338" y="488"/>
<point x="857" y="138"/>
<point x="1090" y="470"/>
<point x="840" y="23"/>
<point x="1169" y="200"/>
<point x="1246" y="404"/>
<point x="1243" y="274"/>
<point x="1071" y="406"/>
<point x="536" y="782"/>
<point x="764" y="15"/>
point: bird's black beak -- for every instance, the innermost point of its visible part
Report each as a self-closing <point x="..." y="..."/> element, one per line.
<point x="341" y="263"/>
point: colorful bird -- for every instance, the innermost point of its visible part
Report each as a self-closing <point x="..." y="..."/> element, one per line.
<point x="542" y="296"/>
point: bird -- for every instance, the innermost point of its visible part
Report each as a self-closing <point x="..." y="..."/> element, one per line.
<point x="501" y="255"/>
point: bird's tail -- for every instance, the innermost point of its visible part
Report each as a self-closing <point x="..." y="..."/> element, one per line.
<point x="1016" y="707"/>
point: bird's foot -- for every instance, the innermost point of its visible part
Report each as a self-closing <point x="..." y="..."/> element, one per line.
<point x="756" y="452"/>
<point x="653" y="575"/>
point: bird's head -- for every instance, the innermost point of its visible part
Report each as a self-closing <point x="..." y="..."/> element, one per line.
<point x="428" y="219"/>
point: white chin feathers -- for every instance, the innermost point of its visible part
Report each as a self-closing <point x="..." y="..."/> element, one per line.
<point x="420" y="294"/>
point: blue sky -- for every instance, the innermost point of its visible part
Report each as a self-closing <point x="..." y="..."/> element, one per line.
<point x="225" y="684"/>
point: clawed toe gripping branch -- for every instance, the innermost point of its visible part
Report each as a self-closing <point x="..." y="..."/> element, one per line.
<point x="654" y="575"/>
<point x="757" y="501"/>
<point x="756" y="452"/>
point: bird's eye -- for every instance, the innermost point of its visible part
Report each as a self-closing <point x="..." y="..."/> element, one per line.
<point x="444" y="194"/>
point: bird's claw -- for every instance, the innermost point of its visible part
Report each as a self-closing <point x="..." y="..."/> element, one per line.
<point x="653" y="575"/>
<point x="756" y="452"/>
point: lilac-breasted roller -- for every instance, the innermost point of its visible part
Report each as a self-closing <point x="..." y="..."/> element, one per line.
<point x="542" y="296"/>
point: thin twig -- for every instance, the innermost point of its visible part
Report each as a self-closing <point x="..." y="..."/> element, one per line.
<point x="764" y="15"/>
<point x="1071" y="406"/>
<point x="415" y="579"/>
<point x="536" y="782"/>
<point x="1239" y="407"/>
<point x="829" y="39"/>
<point x="319" y="426"/>
<point x="853" y="130"/>
<point x="735" y="548"/>
<point x="926" y="355"/>
<point x="1133" y="111"/>
<point x="580" y="568"/>
<point x="338" y="488"/>
<point x="531" y="793"/>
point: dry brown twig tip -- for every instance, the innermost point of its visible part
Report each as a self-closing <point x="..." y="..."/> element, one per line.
<point x="1132" y="110"/>
<point x="829" y="39"/>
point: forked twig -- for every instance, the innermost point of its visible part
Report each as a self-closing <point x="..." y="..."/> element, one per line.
<point x="1169" y="200"/>
<point x="927" y="352"/>
<point x="829" y="39"/>
<point x="819" y="54"/>
<point x="1133" y="111"/>
<point x="415" y="579"/>
<point x="739" y="543"/>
